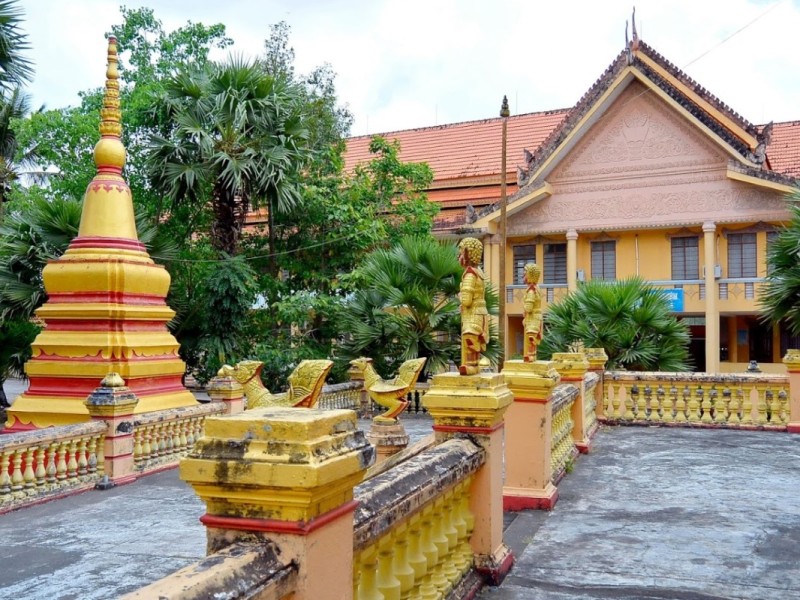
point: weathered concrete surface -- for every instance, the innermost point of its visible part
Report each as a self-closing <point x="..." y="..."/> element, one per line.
<point x="657" y="513"/>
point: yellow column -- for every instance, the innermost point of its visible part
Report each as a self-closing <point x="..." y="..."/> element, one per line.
<point x="475" y="405"/>
<point x="792" y="362"/>
<point x="572" y="366"/>
<point x="712" y="310"/>
<point x="597" y="359"/>
<point x="285" y="475"/>
<point x="114" y="403"/>
<point x="529" y="419"/>
<point x="572" y="260"/>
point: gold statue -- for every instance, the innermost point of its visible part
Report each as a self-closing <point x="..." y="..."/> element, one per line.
<point x="474" y="316"/>
<point x="532" y="313"/>
<point x="305" y="383"/>
<point x="391" y="393"/>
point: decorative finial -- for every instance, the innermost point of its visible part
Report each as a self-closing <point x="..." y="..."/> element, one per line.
<point x="113" y="380"/>
<point x="504" y="112"/>
<point x="634" y="34"/>
<point x="109" y="153"/>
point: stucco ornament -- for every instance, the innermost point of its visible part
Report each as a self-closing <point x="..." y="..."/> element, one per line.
<point x="305" y="383"/>
<point x="474" y="315"/>
<point x="389" y="393"/>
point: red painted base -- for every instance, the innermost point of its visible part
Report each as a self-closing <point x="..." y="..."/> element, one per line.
<point x="495" y="574"/>
<point x="584" y="447"/>
<point x="793" y="428"/>
<point x="517" y="503"/>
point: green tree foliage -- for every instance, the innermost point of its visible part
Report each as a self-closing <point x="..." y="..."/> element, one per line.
<point x="408" y="307"/>
<point x="238" y="142"/>
<point x="779" y="299"/>
<point x="16" y="337"/>
<point x="15" y="67"/>
<point x="628" y="318"/>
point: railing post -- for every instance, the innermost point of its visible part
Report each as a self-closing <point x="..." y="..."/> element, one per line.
<point x="365" y="409"/>
<point x="475" y="405"/>
<point x="528" y="467"/>
<point x="597" y="359"/>
<point x="114" y="403"/>
<point x="572" y="366"/>
<point x="229" y="391"/>
<point x="285" y="475"/>
<point x="792" y="362"/>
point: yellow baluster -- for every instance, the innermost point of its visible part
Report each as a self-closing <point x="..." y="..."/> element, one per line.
<point x="416" y="559"/>
<point x="428" y="591"/>
<point x="694" y="406"/>
<point x="680" y="404"/>
<point x="460" y="524"/>
<point x="72" y="460"/>
<point x="734" y="405"/>
<point x="387" y="583"/>
<point x="668" y="404"/>
<point x="17" y="480"/>
<point x="184" y="442"/>
<point x="28" y="475"/>
<point x="762" y="407"/>
<point x="429" y="549"/>
<point x="138" y="445"/>
<point x="61" y="463"/>
<point x="627" y="405"/>
<point x="368" y="565"/>
<point x="720" y="407"/>
<point x="784" y="406"/>
<point x="5" y="477"/>
<point x="706" y="406"/>
<point x="641" y="402"/>
<point x="401" y="567"/>
<point x="775" y="409"/>
<point x="91" y="455"/>
<point x="40" y="472"/>
<point x="440" y="541"/>
<point x="614" y="402"/>
<point x="654" y="403"/>
<point x="449" y="566"/>
<point x="101" y="455"/>
<point x="83" y="463"/>
<point x="51" y="465"/>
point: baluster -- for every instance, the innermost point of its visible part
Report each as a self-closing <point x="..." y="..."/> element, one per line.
<point x="641" y="403"/>
<point x="440" y="541"/>
<point x="680" y="404"/>
<point x="616" y="407"/>
<point x="147" y="448"/>
<point x="451" y="570"/>
<point x="61" y="463"/>
<point x="5" y="478"/>
<point x="667" y="404"/>
<point x="626" y="404"/>
<point x="138" y="445"/>
<point x="719" y="406"/>
<point x="463" y="561"/>
<point x="184" y="437"/>
<point x="388" y="584"/>
<point x="72" y="461"/>
<point x="17" y="480"/>
<point x="367" y="584"/>
<point x="401" y="567"/>
<point x="174" y="438"/>
<point x="51" y="465"/>
<point x="775" y="409"/>
<point x="416" y="559"/>
<point x="428" y="547"/>
<point x="747" y="405"/>
<point x="91" y="456"/>
<point x="706" y="406"/>
<point x="762" y="407"/>
<point x="784" y="406"/>
<point x="734" y="404"/>
<point x="83" y="463"/>
<point x="160" y="447"/>
<point x="41" y="473"/>
<point x="28" y="474"/>
<point x="100" y="453"/>
<point x="694" y="405"/>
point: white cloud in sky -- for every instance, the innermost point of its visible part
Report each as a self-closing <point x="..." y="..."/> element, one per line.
<point x="413" y="63"/>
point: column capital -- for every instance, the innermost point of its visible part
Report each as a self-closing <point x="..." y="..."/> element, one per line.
<point x="572" y="234"/>
<point x="792" y="360"/>
<point x="597" y="358"/>
<point x="570" y="365"/>
<point x="468" y="403"/>
<point x="709" y="227"/>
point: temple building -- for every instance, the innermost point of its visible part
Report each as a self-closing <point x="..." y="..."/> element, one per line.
<point x="649" y="174"/>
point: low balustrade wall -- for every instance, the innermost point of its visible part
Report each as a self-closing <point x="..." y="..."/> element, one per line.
<point x="341" y="395"/>
<point x="47" y="463"/>
<point x="413" y="525"/>
<point x="743" y="401"/>
<point x="162" y="438"/>
<point x="562" y="442"/>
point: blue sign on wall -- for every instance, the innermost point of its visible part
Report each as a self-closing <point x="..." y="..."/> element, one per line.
<point x="675" y="298"/>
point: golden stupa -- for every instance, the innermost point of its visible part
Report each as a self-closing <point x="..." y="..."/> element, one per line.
<point x="106" y="309"/>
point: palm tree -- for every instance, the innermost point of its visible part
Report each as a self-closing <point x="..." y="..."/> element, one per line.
<point x="408" y="306"/>
<point x="628" y="318"/>
<point x="238" y="142"/>
<point x="15" y="68"/>
<point x="780" y="297"/>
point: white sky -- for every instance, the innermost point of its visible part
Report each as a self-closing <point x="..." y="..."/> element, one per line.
<point x="413" y="63"/>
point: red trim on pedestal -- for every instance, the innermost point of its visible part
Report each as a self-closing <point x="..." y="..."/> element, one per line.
<point x="465" y="429"/>
<point x="584" y="447"/>
<point x="495" y="575"/>
<point x="105" y="325"/>
<point x="528" y="400"/>
<point x="276" y="526"/>
<point x="517" y="503"/>
<point x="110" y="297"/>
<point x="563" y="379"/>
<point x="793" y="428"/>
<point x="108" y="242"/>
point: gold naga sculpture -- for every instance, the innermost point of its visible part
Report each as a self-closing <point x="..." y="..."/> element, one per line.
<point x="532" y="313"/>
<point x="391" y="393"/>
<point x="474" y="315"/>
<point x="305" y="383"/>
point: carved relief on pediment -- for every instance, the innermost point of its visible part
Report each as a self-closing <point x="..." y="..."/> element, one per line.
<point x="638" y="133"/>
<point x="646" y="208"/>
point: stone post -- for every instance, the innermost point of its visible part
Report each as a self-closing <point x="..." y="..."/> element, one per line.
<point x="474" y="405"/>
<point x="528" y="469"/>
<point x="572" y="366"/>
<point x="355" y="374"/>
<point x="285" y="475"/>
<point x="229" y="391"/>
<point x="114" y="403"/>
<point x="792" y="362"/>
<point x="597" y="359"/>
<point x="388" y="439"/>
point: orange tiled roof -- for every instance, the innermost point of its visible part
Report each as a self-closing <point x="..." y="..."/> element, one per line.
<point x="784" y="149"/>
<point x="464" y="150"/>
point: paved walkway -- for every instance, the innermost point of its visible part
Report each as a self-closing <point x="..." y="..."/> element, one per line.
<point x="650" y="514"/>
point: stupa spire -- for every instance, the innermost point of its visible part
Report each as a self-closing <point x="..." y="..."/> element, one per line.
<point x="109" y="153"/>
